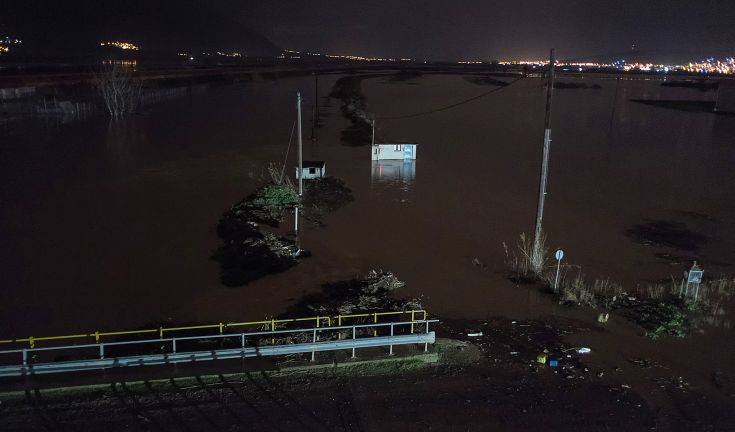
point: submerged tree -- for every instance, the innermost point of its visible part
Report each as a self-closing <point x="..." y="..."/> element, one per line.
<point x="119" y="89"/>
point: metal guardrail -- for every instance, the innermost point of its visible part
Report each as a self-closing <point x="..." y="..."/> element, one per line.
<point x="221" y="327"/>
<point x="28" y="367"/>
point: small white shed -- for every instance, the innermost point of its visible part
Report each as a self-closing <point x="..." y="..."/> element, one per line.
<point x="403" y="151"/>
<point x="312" y="170"/>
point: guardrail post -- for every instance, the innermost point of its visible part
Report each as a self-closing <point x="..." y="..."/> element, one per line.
<point x="273" y="328"/>
<point x="242" y="340"/>
<point x="313" y="352"/>
<point x="391" y="335"/>
<point x="339" y="324"/>
<point x="221" y="327"/>
<point x="375" y="321"/>
<point x="412" y="319"/>
<point x="25" y="358"/>
<point x="353" y="338"/>
<point x="426" y="344"/>
<point x="173" y="343"/>
<point x="102" y="351"/>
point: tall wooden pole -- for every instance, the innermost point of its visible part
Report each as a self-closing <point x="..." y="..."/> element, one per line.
<point x="373" y="139"/>
<point x="301" y="165"/>
<point x="316" y="107"/>
<point x="298" y="131"/>
<point x="544" y="163"/>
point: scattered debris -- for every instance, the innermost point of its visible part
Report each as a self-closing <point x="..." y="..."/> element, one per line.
<point x="373" y="292"/>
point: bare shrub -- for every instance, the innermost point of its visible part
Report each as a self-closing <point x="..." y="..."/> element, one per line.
<point x="526" y="263"/>
<point x="599" y="293"/>
<point x="120" y="91"/>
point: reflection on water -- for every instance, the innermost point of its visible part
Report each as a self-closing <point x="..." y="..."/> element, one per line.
<point x="398" y="174"/>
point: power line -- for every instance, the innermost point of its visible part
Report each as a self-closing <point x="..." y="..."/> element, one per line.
<point x="285" y="159"/>
<point x="454" y="105"/>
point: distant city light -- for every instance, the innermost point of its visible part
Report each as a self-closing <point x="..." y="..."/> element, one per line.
<point x="6" y="42"/>
<point x="294" y="54"/>
<point x="229" y="54"/>
<point x="359" y="58"/>
<point x="121" y="45"/>
<point x="709" y="66"/>
<point x="124" y="63"/>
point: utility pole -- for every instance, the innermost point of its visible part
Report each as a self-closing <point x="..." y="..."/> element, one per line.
<point x="373" y="123"/>
<point x="298" y="131"/>
<point x="544" y="165"/>
<point x="316" y="107"/>
<point x="301" y="163"/>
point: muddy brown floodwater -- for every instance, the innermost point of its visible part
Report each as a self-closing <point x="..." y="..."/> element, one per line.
<point x="108" y="226"/>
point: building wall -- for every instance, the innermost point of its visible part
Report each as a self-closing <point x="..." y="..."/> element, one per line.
<point x="393" y="151"/>
<point x="318" y="173"/>
<point x="393" y="170"/>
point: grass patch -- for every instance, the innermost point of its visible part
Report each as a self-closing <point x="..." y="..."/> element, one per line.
<point x="662" y="309"/>
<point x="527" y="263"/>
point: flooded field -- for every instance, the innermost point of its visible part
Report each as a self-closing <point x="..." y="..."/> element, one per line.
<point x="108" y="226"/>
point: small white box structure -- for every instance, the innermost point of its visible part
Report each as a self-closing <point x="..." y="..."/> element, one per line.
<point x="312" y="170"/>
<point x="402" y="151"/>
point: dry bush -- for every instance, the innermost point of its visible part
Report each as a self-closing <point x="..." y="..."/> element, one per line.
<point x="526" y="263"/>
<point x="120" y="91"/>
<point x="599" y="293"/>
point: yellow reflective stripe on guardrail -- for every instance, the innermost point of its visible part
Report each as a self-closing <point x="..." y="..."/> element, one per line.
<point x="272" y="323"/>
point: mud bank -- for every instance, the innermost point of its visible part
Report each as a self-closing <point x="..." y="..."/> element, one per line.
<point x="348" y="90"/>
<point x="252" y="248"/>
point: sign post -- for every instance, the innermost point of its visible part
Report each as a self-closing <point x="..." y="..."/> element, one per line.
<point x="694" y="277"/>
<point x="559" y="254"/>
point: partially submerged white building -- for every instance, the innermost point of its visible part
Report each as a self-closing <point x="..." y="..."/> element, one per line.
<point x="393" y="171"/>
<point x="402" y="151"/>
<point x="312" y="170"/>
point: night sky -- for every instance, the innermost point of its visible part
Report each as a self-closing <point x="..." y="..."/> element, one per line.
<point x="446" y="30"/>
<point x="487" y="28"/>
